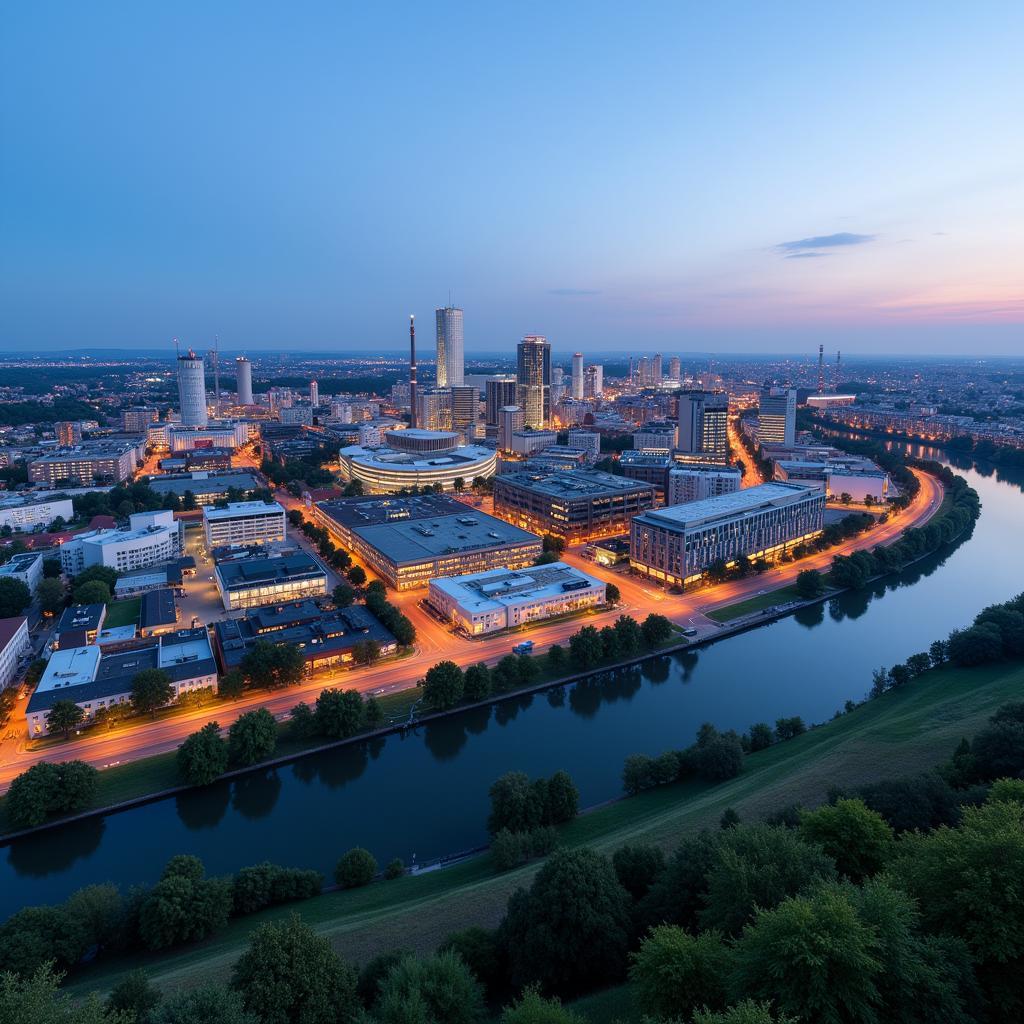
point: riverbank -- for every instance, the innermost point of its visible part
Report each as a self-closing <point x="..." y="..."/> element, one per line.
<point x="902" y="732"/>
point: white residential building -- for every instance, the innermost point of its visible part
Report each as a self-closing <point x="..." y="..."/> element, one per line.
<point x="15" y="646"/>
<point x="484" y="602"/>
<point x="588" y="441"/>
<point x="27" y="567"/>
<point x="151" y="539"/>
<point x="694" y="483"/>
<point x="244" y="522"/>
<point x="20" y="513"/>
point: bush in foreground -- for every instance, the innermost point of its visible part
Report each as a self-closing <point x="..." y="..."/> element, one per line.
<point x="355" y="868"/>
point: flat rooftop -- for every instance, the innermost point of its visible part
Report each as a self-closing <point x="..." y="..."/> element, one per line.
<point x="726" y="506"/>
<point x="247" y="572"/>
<point x="74" y="666"/>
<point x="392" y="458"/>
<point x="81" y="616"/>
<point x="496" y="588"/>
<point x="243" y="509"/>
<point x="203" y="483"/>
<point x="583" y="483"/>
<point x="20" y="562"/>
<point x="158" y="609"/>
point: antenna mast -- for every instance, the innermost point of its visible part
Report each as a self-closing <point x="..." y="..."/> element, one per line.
<point x="216" y="374"/>
<point x="412" y="371"/>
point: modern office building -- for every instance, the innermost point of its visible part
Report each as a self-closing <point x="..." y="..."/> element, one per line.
<point x="314" y="394"/>
<point x="137" y="419"/>
<point x="243" y="381"/>
<point x="593" y="381"/>
<point x="577" y="375"/>
<point x="776" y="416"/>
<point x="451" y="366"/>
<point x="248" y="580"/>
<point x="486" y="602"/>
<point x="703" y="427"/>
<point x="86" y="464"/>
<point x="182" y="438"/>
<point x="510" y="423"/>
<point x="588" y="441"/>
<point x="244" y="522"/>
<point x="22" y="514"/>
<point x="859" y="478"/>
<point x="326" y="640"/>
<point x="579" y="506"/>
<point x="695" y="482"/>
<point x="656" y="372"/>
<point x="652" y="467"/>
<point x="526" y="442"/>
<point x="297" y="415"/>
<point x="679" y="543"/>
<point x="673" y="370"/>
<point x="68" y="433"/>
<point x="655" y="438"/>
<point x="94" y="680"/>
<point x="204" y="486"/>
<point x="15" y="648"/>
<point x="150" y="539"/>
<point x="192" y="390"/>
<point x="434" y="409"/>
<point x="26" y="567"/>
<point x="79" y="625"/>
<point x="408" y="541"/>
<point x="533" y="380"/>
<point x="465" y="407"/>
<point x="499" y="392"/>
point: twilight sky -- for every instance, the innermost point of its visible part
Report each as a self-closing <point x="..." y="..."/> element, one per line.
<point x="747" y="177"/>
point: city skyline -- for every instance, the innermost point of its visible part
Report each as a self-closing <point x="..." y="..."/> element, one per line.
<point x="767" y="179"/>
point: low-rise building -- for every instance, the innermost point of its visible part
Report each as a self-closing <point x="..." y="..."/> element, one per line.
<point x="91" y="462"/>
<point x="580" y="506"/>
<point x="151" y="538"/>
<point x="26" y="567"/>
<point x="94" y="680"/>
<point x="586" y="440"/>
<point x="207" y="488"/>
<point x="679" y="543"/>
<point x="326" y="639"/>
<point x="155" y="577"/>
<point x="23" y="513"/>
<point x="695" y="483"/>
<point x="485" y="602"/>
<point x="244" y="522"/>
<point x="79" y="625"/>
<point x="158" y="613"/>
<point x="860" y="479"/>
<point x="408" y="541"/>
<point x="15" y="648"/>
<point x="248" y="582"/>
<point x="649" y="466"/>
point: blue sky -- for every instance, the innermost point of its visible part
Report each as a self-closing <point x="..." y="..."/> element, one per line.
<point x="742" y="177"/>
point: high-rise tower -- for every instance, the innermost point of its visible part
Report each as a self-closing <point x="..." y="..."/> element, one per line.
<point x="192" y="390"/>
<point x="533" y="380"/>
<point x="451" y="365"/>
<point x="314" y="393"/>
<point x="577" y="375"/>
<point x="243" y="380"/>
<point x="412" y="370"/>
<point x="821" y="369"/>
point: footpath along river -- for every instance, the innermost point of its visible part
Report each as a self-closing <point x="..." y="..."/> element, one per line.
<point x="425" y="795"/>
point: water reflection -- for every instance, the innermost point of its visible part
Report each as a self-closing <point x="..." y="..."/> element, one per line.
<point x="657" y="669"/>
<point x="55" y="850"/>
<point x="203" y="808"/>
<point x="255" y="795"/>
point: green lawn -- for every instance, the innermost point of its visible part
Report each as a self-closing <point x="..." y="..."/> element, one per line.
<point x="123" y="613"/>
<point x="902" y="732"/>
<point x="755" y="604"/>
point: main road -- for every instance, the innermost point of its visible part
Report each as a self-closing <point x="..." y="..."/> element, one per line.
<point x="435" y="641"/>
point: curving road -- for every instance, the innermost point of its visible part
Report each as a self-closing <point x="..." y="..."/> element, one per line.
<point x="436" y="641"/>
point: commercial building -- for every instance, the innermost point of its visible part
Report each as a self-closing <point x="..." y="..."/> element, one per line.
<point x="244" y="522"/>
<point x="155" y="577"/>
<point x="679" y="543"/>
<point x="91" y="462"/>
<point x="94" y="680"/>
<point x="15" y="648"/>
<point x="703" y="427"/>
<point x="434" y="409"/>
<point x="201" y="460"/>
<point x="68" y="433"/>
<point x="158" y="612"/>
<point x="451" y="366"/>
<point x="26" y="567"/>
<point x="577" y="375"/>
<point x="650" y="467"/>
<point x="243" y="381"/>
<point x="192" y="390"/>
<point x="22" y="514"/>
<point x="245" y="580"/>
<point x="297" y="415"/>
<point x="499" y="392"/>
<point x="150" y="539"/>
<point x="579" y="506"/>
<point x="859" y="478"/>
<point x="655" y="438"/>
<point x="183" y="438"/>
<point x="465" y="408"/>
<point x="137" y="419"/>
<point x="325" y="639"/>
<point x="485" y="602"/>
<point x="593" y="381"/>
<point x="526" y="442"/>
<point x="586" y="440"/>
<point x="533" y="380"/>
<point x="695" y="483"/>
<point x="408" y="541"/>
<point x="204" y="486"/>
<point x="776" y="416"/>
<point x="79" y="625"/>
<point x="510" y="423"/>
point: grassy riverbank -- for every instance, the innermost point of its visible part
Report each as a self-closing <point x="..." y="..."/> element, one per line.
<point x="904" y="731"/>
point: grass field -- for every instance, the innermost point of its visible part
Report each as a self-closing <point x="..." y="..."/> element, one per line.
<point x="902" y="732"/>
<point x="123" y="613"/>
<point x="754" y="604"/>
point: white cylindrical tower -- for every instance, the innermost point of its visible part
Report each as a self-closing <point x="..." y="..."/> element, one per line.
<point x="577" y="375"/>
<point x="243" y="380"/>
<point x="192" y="390"/>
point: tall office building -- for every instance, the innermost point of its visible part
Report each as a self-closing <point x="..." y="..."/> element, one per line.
<point x="451" y="366"/>
<point x="776" y="416"/>
<point x="314" y="393"/>
<point x="465" y="404"/>
<point x="533" y="379"/>
<point x="434" y="409"/>
<point x="674" y="369"/>
<point x="703" y="431"/>
<point x="643" y="371"/>
<point x="577" y="375"/>
<point x="499" y="391"/>
<point x="593" y="381"/>
<point x="243" y="380"/>
<point x="192" y="390"/>
<point x="510" y="420"/>
<point x="656" y="376"/>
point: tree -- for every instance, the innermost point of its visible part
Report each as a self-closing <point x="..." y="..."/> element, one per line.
<point x="99" y="911"/>
<point x="655" y="630"/>
<point x="675" y="972"/>
<point x="516" y="804"/>
<point x="611" y="593"/>
<point x="717" y="756"/>
<point x="637" y="867"/>
<point x="746" y="1012"/>
<point x="563" y="799"/>
<point x="151" y="689"/>
<point x="355" y="868"/>
<point x="189" y="503"/>
<point x="629" y="635"/>
<point x="252" y="737"/>
<point x="210" y="1004"/>
<point x="35" y="937"/>
<point x="343" y="595"/>
<point x="546" y="558"/>
<point x="357" y="575"/>
<point x="338" y="713"/>
<point x="184" y="906"/>
<point x="93" y="592"/>
<point x="37" y="999"/>
<point x="15" y="597"/>
<point x="203" y="756"/>
<point x="268" y="665"/>
<point x="585" y="647"/>
<point x="366" y="652"/>
<point x="291" y="975"/>
<point x="373" y="713"/>
<point x="533" y="1008"/>
<point x="134" y="994"/>
<point x="443" y="685"/>
<point x="103" y="573"/>
<point x="477" y="682"/>
<point x="50" y="595"/>
<point x="787" y="728"/>
<point x="760" y="737"/>
<point x="231" y="684"/>
<point x="47" y="788"/>
<point x="434" y="990"/>
<point x="570" y="930"/>
<point x="976" y="645"/>
<point x="52" y="569"/>
<point x="859" y="840"/>
<point x="63" y="717"/>
<point x="395" y="869"/>
<point x="810" y="584"/>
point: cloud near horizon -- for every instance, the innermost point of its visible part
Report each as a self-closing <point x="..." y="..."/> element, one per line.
<point x="841" y="239"/>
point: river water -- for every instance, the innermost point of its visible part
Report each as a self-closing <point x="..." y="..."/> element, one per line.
<point x="425" y="795"/>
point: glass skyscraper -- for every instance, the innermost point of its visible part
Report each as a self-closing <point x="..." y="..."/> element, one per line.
<point x="533" y="380"/>
<point x="451" y="364"/>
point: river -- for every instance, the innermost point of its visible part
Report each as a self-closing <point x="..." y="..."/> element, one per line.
<point x="425" y="795"/>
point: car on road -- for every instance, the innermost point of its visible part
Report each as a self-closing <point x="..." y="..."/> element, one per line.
<point x="525" y="647"/>
<point x="689" y="631"/>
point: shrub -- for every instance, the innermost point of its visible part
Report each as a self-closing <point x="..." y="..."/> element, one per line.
<point x="355" y="869"/>
<point x="675" y="972"/>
